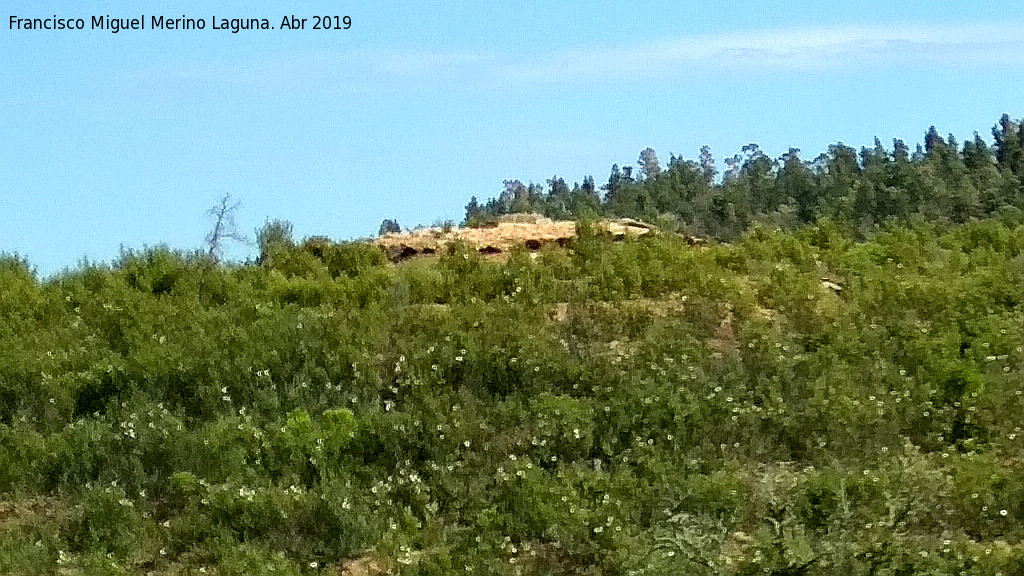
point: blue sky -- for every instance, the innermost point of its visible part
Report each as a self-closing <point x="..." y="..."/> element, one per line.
<point x="126" y="139"/>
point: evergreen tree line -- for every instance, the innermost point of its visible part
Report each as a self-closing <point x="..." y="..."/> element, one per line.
<point x="940" y="180"/>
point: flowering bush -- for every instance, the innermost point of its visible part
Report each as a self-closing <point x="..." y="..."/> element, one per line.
<point x="644" y="407"/>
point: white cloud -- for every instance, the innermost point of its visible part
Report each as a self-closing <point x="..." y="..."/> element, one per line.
<point x="809" y="50"/>
<point x="798" y="49"/>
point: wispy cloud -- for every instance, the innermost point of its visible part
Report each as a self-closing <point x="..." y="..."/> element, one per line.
<point x="798" y="49"/>
<point x="809" y="50"/>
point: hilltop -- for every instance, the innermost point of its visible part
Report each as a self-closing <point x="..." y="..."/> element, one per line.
<point x="832" y="384"/>
<point x="529" y="231"/>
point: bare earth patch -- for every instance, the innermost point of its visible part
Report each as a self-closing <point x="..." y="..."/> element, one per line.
<point x="364" y="566"/>
<point x="528" y="231"/>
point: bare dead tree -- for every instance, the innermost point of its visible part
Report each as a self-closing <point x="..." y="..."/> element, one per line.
<point x="224" y="227"/>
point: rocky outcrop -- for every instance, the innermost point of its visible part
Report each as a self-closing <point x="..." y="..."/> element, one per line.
<point x="531" y="233"/>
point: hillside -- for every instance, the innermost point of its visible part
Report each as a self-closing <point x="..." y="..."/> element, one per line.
<point x="789" y="403"/>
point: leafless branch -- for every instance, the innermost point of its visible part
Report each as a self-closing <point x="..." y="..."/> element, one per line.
<point x="224" y="227"/>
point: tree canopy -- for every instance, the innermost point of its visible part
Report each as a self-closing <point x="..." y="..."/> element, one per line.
<point x="941" y="181"/>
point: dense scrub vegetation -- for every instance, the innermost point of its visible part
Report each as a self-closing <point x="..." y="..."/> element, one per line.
<point x="644" y="407"/>
<point x="839" y="398"/>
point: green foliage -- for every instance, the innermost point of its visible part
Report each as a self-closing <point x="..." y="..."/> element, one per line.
<point x="795" y="402"/>
<point x="389" y="226"/>
<point x="272" y="236"/>
<point x="862" y="190"/>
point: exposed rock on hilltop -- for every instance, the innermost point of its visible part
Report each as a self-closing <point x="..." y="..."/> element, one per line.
<point x="526" y="230"/>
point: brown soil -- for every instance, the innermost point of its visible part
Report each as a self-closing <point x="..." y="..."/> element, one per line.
<point x="528" y="231"/>
<point x="365" y="566"/>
